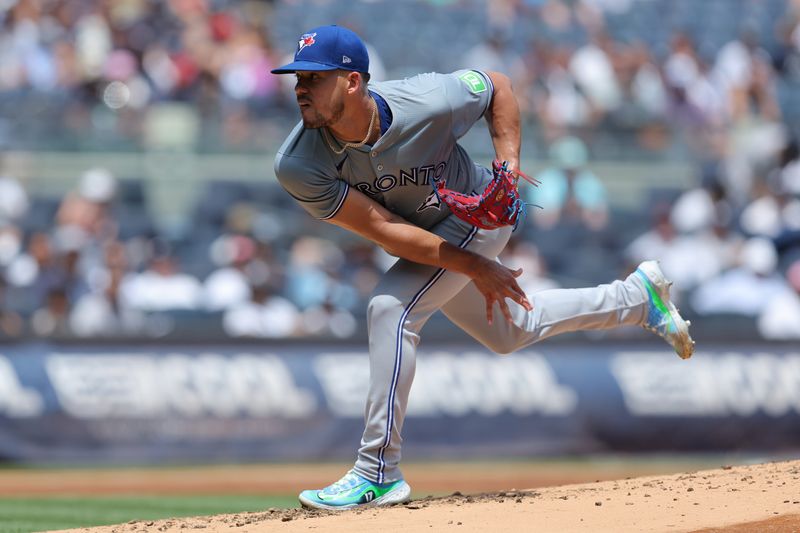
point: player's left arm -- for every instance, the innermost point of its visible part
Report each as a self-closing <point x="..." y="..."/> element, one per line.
<point x="366" y="217"/>
<point x="503" y="119"/>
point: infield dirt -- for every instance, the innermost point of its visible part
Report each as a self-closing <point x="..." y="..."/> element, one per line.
<point x="756" y="498"/>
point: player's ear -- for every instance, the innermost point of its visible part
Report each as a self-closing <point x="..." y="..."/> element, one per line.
<point x="354" y="82"/>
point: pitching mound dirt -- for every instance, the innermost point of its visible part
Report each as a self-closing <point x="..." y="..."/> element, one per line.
<point x="732" y="499"/>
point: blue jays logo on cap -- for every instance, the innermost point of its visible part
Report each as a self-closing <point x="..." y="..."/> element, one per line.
<point x="307" y="39"/>
<point x="328" y="48"/>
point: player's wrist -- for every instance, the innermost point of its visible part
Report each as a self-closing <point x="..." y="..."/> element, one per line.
<point x="477" y="265"/>
<point x="462" y="261"/>
<point x="512" y="160"/>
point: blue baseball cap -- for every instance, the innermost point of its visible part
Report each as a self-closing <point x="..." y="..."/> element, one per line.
<point x="328" y="48"/>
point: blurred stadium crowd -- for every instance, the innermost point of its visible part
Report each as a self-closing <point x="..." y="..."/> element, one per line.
<point x="714" y="82"/>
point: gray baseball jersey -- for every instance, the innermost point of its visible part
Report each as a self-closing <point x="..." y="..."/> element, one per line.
<point x="430" y="113"/>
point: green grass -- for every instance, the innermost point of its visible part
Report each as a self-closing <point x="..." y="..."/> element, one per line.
<point x="23" y="515"/>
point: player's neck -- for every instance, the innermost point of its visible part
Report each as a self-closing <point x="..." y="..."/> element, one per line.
<point x="356" y="120"/>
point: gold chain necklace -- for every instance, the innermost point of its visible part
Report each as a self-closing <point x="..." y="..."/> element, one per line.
<point x="349" y="144"/>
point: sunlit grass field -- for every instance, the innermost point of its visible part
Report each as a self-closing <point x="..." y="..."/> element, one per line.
<point x="20" y="515"/>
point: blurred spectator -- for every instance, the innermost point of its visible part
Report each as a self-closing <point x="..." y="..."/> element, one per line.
<point x="592" y="68"/>
<point x="52" y="320"/>
<point x="14" y="201"/>
<point x="780" y="318"/>
<point x="646" y="86"/>
<point x="228" y="286"/>
<point x="610" y="6"/>
<point x="556" y="15"/>
<point x="161" y="287"/>
<point x="327" y="319"/>
<point x="10" y="244"/>
<point x="364" y="268"/>
<point x="501" y="15"/>
<point x="11" y="323"/>
<point x="681" y="66"/>
<point x="14" y="206"/>
<point x="696" y="104"/>
<point x="747" y="289"/>
<point x="83" y="214"/>
<point x="525" y="255"/>
<point x="744" y="72"/>
<point x="314" y="277"/>
<point x="746" y="79"/>
<point x="316" y="283"/>
<point x="786" y="175"/>
<point x="44" y="269"/>
<point x="101" y="313"/>
<point x="691" y="257"/>
<point x="569" y="190"/>
<point x="701" y="208"/>
<point x="564" y="105"/>
<point x="753" y="145"/>
<point x="248" y="58"/>
<point x="494" y="54"/>
<point x="771" y="212"/>
<point x="656" y="241"/>
<point x="265" y="315"/>
<point x="787" y="48"/>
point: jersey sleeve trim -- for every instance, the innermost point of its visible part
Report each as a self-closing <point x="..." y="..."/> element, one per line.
<point x="491" y="90"/>
<point x="338" y="206"/>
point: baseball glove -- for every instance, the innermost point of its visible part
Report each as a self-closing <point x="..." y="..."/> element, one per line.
<point x="498" y="205"/>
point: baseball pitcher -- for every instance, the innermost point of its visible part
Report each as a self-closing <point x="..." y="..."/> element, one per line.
<point x="383" y="161"/>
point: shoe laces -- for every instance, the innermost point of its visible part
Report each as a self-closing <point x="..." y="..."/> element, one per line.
<point x="348" y="481"/>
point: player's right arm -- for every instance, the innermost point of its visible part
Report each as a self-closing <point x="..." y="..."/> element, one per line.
<point x="367" y="218"/>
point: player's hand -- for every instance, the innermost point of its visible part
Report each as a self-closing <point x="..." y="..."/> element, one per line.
<point x="497" y="282"/>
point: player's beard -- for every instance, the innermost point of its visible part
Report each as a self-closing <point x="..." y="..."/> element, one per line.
<point x="318" y="120"/>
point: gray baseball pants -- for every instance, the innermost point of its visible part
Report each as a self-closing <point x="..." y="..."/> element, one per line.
<point x="409" y="293"/>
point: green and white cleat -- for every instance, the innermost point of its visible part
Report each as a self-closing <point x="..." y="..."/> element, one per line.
<point x="355" y="491"/>
<point x="663" y="317"/>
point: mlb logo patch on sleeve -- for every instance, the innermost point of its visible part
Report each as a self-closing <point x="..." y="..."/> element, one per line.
<point x="474" y="81"/>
